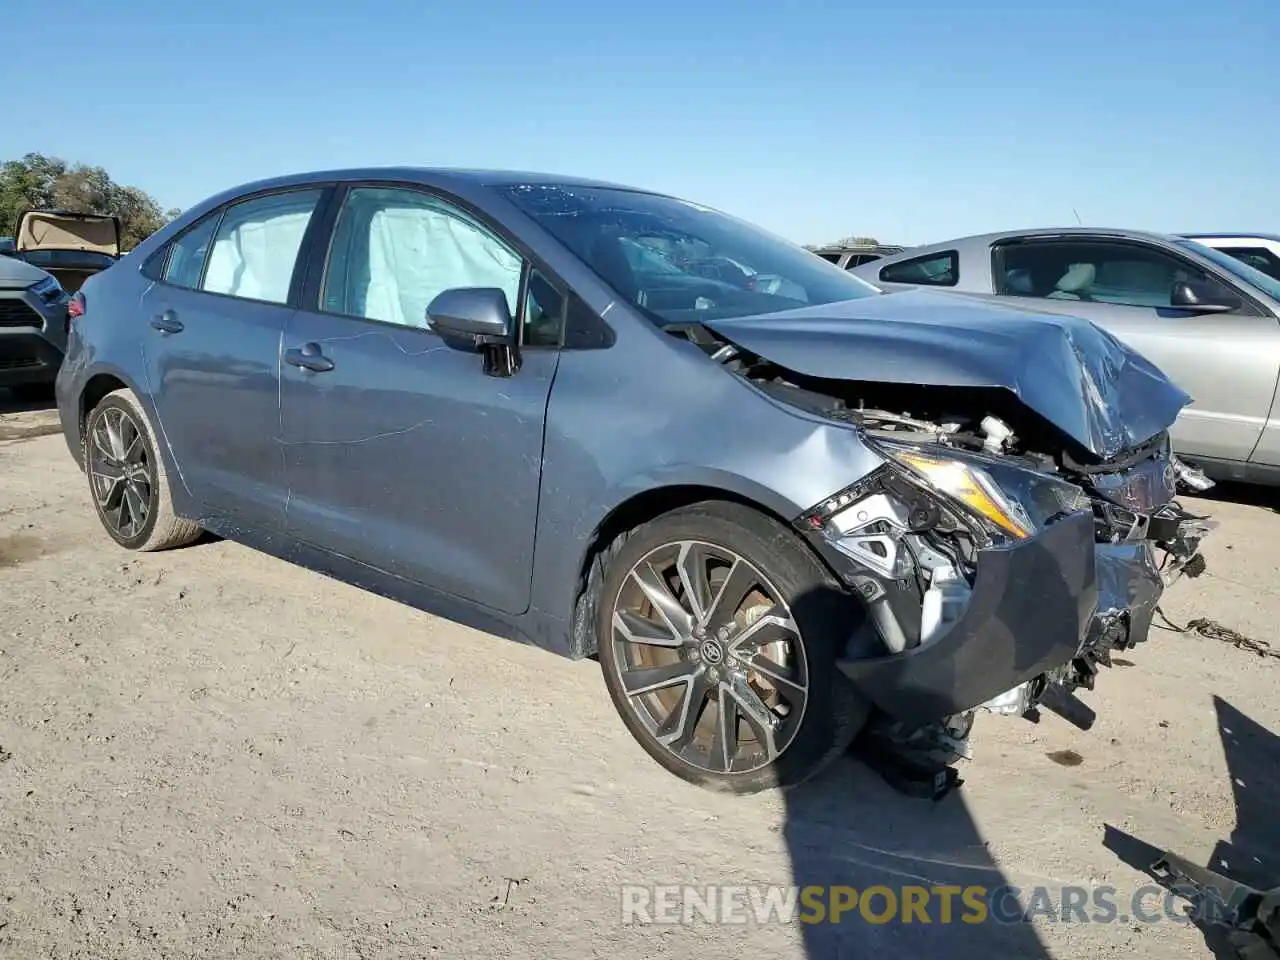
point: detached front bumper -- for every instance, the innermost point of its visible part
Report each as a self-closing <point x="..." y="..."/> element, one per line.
<point x="1047" y="611"/>
<point x="1031" y="612"/>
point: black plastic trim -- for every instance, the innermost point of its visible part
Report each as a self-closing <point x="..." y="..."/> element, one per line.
<point x="1032" y="606"/>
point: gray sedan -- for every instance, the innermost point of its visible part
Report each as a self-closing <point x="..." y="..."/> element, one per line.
<point x="778" y="506"/>
<point x="1210" y="321"/>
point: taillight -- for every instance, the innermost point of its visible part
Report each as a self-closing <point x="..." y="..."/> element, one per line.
<point x="75" y="306"/>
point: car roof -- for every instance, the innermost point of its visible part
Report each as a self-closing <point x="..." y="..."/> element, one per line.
<point x="1230" y="235"/>
<point x="443" y="177"/>
<point x="1066" y="232"/>
<point x="979" y="240"/>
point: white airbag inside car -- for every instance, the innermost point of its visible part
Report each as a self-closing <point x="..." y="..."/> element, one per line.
<point x="416" y="253"/>
<point x="1075" y="282"/>
<point x="254" y="257"/>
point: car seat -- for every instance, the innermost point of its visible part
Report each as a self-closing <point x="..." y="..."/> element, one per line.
<point x="1075" y="283"/>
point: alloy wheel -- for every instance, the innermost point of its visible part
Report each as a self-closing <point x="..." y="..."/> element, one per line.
<point x="709" y="657"/>
<point x="121" y="472"/>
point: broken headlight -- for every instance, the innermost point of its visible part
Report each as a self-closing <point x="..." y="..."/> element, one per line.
<point x="1009" y="502"/>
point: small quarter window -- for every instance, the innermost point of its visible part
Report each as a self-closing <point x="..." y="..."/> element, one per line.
<point x="934" y="270"/>
<point x="187" y="254"/>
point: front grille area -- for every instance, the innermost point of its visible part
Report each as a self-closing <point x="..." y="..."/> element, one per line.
<point x="18" y="313"/>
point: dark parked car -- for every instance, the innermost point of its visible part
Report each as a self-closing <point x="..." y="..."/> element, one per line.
<point x="478" y="392"/>
<point x="51" y="255"/>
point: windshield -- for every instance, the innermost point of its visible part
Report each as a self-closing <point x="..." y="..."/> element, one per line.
<point x="1250" y="275"/>
<point x="679" y="262"/>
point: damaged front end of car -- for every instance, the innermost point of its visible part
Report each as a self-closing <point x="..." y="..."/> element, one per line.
<point x="980" y="568"/>
<point x="1024" y="522"/>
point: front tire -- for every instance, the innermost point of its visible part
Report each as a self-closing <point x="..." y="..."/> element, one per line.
<point x="127" y="478"/>
<point x="718" y="634"/>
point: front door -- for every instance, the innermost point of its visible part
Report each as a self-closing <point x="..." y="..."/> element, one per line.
<point x="400" y="451"/>
<point x="212" y="347"/>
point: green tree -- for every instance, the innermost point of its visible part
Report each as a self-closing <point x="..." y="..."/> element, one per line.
<point x="38" y="181"/>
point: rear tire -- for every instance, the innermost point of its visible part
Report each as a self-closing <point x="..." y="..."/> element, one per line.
<point x="127" y="478"/>
<point x="677" y="663"/>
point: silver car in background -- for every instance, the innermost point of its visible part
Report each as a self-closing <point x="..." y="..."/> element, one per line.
<point x="1210" y="321"/>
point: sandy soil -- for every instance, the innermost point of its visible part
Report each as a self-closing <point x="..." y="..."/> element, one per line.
<point x="210" y="753"/>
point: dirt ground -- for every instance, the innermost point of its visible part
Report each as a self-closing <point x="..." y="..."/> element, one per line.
<point x="211" y="753"/>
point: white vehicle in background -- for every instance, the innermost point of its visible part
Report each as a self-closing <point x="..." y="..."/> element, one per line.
<point x="1259" y="250"/>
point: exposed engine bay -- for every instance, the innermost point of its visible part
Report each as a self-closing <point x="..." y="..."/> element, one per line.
<point x="972" y="469"/>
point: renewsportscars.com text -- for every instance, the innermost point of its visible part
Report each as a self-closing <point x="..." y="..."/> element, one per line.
<point x="918" y="904"/>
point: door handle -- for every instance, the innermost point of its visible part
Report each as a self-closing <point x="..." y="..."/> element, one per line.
<point x="167" y="322"/>
<point x="308" y="357"/>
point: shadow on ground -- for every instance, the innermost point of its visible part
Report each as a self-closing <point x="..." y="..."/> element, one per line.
<point x="26" y="414"/>
<point x="1252" y="853"/>
<point x="849" y="828"/>
<point x="26" y="401"/>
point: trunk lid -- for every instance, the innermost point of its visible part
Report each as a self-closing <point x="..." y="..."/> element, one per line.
<point x="60" y="230"/>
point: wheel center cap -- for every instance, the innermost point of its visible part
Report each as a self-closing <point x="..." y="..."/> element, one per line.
<point x="711" y="651"/>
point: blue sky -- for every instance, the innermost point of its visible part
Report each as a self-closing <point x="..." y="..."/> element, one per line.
<point x="909" y="121"/>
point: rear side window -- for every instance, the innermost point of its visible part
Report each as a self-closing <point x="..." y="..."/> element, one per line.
<point x="934" y="269"/>
<point x="256" y="247"/>
<point x="187" y="254"/>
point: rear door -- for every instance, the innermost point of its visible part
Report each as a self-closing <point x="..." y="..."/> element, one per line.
<point x="402" y="452"/>
<point x="211" y="343"/>
<point x="1227" y="362"/>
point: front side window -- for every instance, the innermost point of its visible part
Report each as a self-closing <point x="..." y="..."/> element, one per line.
<point x="934" y="270"/>
<point x="256" y="247"/>
<point x="681" y="262"/>
<point x="1126" y="274"/>
<point x="187" y="254"/>
<point x="394" y="250"/>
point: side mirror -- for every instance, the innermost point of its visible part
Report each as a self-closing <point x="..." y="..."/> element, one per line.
<point x="1202" y="298"/>
<point x="477" y="319"/>
<point x="474" y="316"/>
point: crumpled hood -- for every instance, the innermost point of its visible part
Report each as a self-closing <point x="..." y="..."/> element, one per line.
<point x="1077" y="376"/>
<point x="18" y="273"/>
